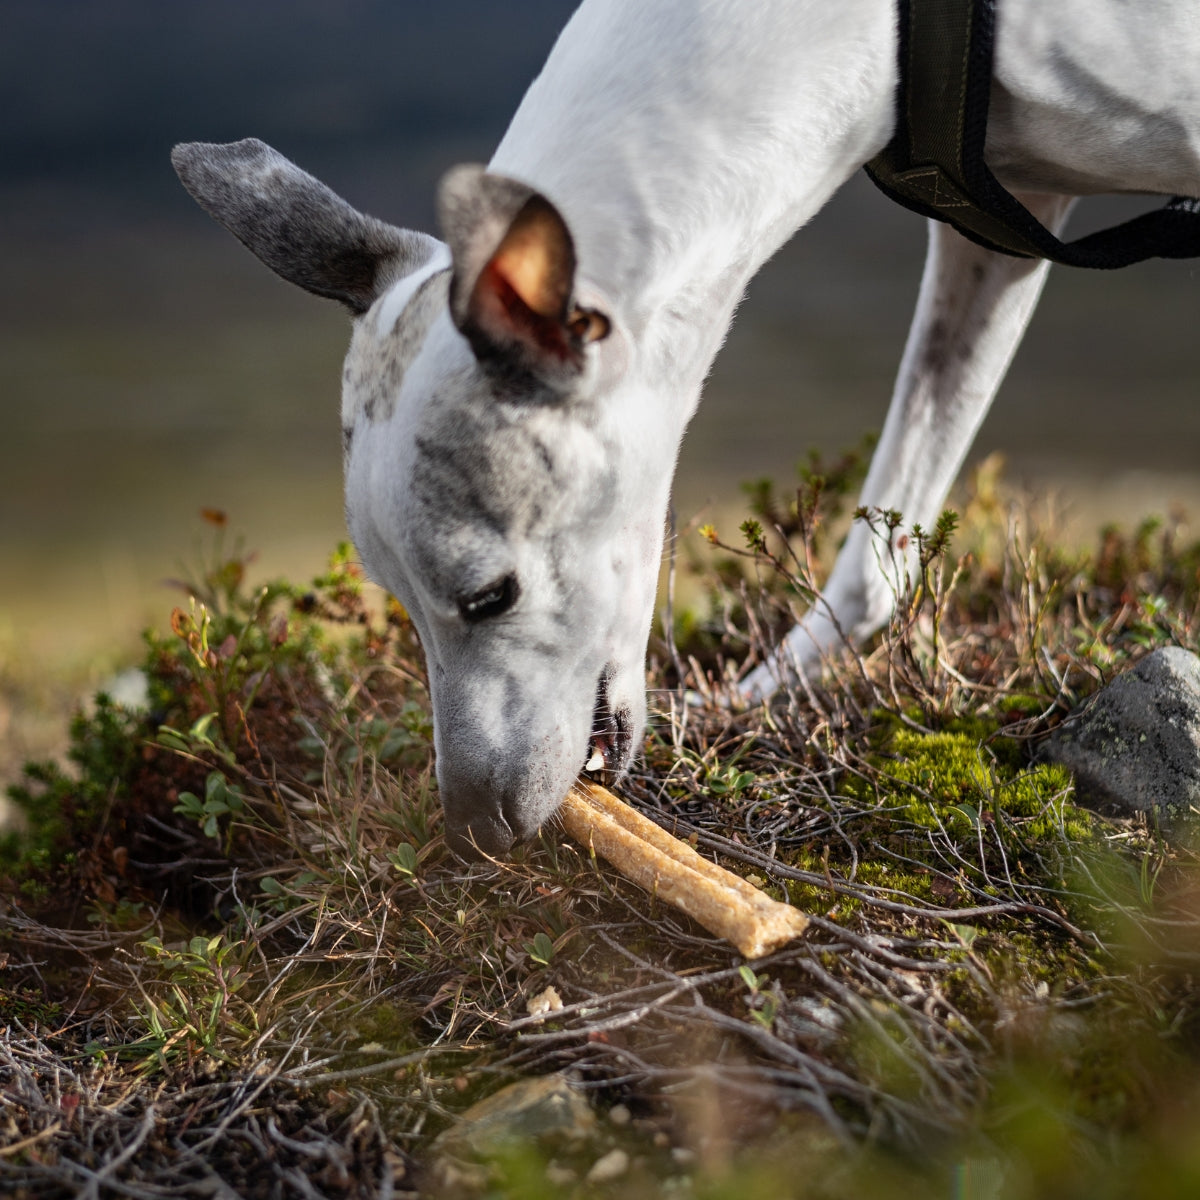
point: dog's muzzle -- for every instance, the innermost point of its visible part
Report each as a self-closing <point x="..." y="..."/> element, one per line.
<point x="476" y="827"/>
<point x="489" y="811"/>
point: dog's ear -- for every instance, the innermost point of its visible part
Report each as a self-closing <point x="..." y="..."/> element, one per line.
<point x="514" y="278"/>
<point x="295" y="224"/>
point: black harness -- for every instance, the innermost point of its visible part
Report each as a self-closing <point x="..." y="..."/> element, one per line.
<point x="934" y="162"/>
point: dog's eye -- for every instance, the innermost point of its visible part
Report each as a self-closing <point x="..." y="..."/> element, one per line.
<point x="495" y="599"/>
<point x="588" y="325"/>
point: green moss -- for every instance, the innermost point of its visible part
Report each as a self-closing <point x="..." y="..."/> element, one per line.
<point x="390" y="1025"/>
<point x="1034" y="960"/>
<point x="916" y="882"/>
<point x="964" y="776"/>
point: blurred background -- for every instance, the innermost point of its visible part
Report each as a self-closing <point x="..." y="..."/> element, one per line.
<point x="150" y="367"/>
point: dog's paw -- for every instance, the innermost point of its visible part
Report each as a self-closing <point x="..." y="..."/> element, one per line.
<point x="798" y="658"/>
<point x="761" y="685"/>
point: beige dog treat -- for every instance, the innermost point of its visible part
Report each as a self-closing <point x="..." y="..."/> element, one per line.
<point x="722" y="902"/>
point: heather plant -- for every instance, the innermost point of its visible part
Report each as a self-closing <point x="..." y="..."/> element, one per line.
<point x="239" y="954"/>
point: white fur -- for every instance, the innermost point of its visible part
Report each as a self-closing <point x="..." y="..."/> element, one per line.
<point x="688" y="141"/>
<point x="681" y="142"/>
<point x="685" y="142"/>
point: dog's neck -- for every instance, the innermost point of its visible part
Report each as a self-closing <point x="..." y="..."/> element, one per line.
<point x="680" y="170"/>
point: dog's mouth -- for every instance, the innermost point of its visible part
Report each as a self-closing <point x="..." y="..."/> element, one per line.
<point x="610" y="746"/>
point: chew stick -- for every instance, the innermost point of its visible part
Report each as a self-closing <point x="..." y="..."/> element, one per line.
<point x="724" y="903"/>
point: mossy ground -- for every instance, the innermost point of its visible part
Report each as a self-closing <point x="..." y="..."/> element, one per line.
<point x="239" y="955"/>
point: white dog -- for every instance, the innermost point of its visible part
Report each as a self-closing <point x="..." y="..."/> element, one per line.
<point x="515" y="397"/>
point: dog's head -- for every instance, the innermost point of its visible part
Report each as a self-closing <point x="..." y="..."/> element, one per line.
<point x="506" y="473"/>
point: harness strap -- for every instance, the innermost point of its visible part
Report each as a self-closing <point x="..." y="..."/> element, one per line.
<point x="934" y="162"/>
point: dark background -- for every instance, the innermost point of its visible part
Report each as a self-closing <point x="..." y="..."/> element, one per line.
<point x="149" y="366"/>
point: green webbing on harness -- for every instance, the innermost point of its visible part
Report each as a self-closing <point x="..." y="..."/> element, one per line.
<point x="934" y="162"/>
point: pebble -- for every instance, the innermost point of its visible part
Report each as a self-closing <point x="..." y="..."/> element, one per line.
<point x="612" y="1166"/>
<point x="544" y="1002"/>
<point x="546" y="1106"/>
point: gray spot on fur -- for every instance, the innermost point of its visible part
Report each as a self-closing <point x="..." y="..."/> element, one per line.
<point x="486" y="473"/>
<point x="482" y="465"/>
<point x="936" y="350"/>
<point x="375" y="368"/>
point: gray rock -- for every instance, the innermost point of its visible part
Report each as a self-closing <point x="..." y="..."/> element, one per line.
<point x="1135" y="746"/>
<point x="547" y="1111"/>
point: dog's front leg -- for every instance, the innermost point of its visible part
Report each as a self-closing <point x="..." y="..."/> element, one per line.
<point x="973" y="307"/>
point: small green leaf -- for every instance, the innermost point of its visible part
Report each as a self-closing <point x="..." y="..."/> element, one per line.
<point x="765" y="1015"/>
<point x="404" y="859"/>
<point x="752" y="531"/>
<point x="965" y="933"/>
<point x="172" y="739"/>
<point x="199" y="730"/>
<point x="541" y="949"/>
<point x="970" y="812"/>
<point x="189" y="805"/>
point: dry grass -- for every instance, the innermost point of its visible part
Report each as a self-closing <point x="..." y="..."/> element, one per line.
<point x="242" y="962"/>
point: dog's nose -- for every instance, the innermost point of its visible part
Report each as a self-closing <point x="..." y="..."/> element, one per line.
<point x="475" y="823"/>
<point x="481" y="836"/>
